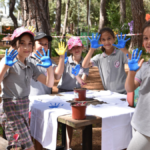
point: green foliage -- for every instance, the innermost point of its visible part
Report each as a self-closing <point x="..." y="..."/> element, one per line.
<point x="1" y="36"/>
<point x="1" y="131"/>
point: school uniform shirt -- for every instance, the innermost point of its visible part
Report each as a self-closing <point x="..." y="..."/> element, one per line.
<point x="141" y="117"/>
<point x="68" y="80"/>
<point x="37" y="88"/>
<point x="16" y="82"/>
<point x="111" y="70"/>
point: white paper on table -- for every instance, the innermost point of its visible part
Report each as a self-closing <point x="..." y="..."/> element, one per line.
<point x="44" y="119"/>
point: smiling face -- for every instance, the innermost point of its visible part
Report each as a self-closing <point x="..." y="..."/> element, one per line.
<point x="146" y="39"/>
<point x="76" y="51"/>
<point x="25" y="47"/>
<point x="107" y="40"/>
<point x="41" y="43"/>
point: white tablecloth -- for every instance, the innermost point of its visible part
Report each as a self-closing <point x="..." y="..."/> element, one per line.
<point x="116" y="117"/>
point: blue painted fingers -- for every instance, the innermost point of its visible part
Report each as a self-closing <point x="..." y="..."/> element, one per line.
<point x="46" y="61"/>
<point x="121" y="42"/>
<point x="10" y="57"/>
<point x="94" y="41"/>
<point x="133" y="63"/>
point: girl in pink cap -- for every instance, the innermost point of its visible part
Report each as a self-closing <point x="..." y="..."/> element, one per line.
<point x="15" y="73"/>
<point x="74" y="75"/>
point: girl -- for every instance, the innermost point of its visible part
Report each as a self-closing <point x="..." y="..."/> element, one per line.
<point x="140" y="76"/>
<point x="111" y="62"/>
<point x="41" y="41"/>
<point x="15" y="77"/>
<point x="73" y="76"/>
<point x="68" y="80"/>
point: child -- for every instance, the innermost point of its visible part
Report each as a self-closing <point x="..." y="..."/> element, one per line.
<point x="70" y="79"/>
<point x="140" y="76"/>
<point x="41" y="41"/>
<point x="15" y="77"/>
<point x="111" y="62"/>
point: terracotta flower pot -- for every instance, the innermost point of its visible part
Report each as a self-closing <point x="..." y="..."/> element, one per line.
<point x="80" y="94"/>
<point x="130" y="98"/>
<point x="78" y="112"/>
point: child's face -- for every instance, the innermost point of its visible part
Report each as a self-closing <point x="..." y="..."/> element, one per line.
<point x="25" y="46"/>
<point x="41" y="43"/>
<point x="146" y="39"/>
<point x="76" y="50"/>
<point x="107" y="40"/>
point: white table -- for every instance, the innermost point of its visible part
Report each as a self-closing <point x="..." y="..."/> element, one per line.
<point x="116" y="117"/>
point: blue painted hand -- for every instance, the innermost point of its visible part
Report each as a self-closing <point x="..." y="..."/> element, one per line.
<point x="10" y="57"/>
<point x="121" y="42"/>
<point x="46" y="61"/>
<point x="76" y="70"/>
<point x="66" y="58"/>
<point x="94" y="41"/>
<point x="133" y="63"/>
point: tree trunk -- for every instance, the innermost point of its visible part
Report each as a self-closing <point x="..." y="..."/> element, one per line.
<point x="11" y="9"/>
<point x="87" y="11"/>
<point x="36" y="13"/>
<point x="58" y="17"/>
<point x="102" y="14"/>
<point x="138" y="14"/>
<point x="122" y="11"/>
<point x="66" y="17"/>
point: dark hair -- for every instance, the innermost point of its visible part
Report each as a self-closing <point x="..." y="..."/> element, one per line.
<point x="16" y="41"/>
<point x="106" y="29"/>
<point x="146" y="24"/>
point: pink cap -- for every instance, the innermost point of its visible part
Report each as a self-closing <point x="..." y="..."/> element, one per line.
<point x="20" y="31"/>
<point x="74" y="41"/>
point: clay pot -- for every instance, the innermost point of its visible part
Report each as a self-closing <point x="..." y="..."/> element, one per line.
<point x="80" y="94"/>
<point x="78" y="112"/>
<point x="130" y="98"/>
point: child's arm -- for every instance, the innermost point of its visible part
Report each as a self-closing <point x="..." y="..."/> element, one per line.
<point x="134" y="65"/>
<point x="86" y="62"/>
<point x="46" y="63"/>
<point x="60" y="68"/>
<point x="94" y="45"/>
<point x="49" y="79"/>
<point x="58" y="71"/>
<point x="81" y="80"/>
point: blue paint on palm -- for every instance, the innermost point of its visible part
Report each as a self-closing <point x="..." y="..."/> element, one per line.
<point x="66" y="58"/>
<point x="55" y="105"/>
<point x="75" y="71"/>
<point x="94" y="41"/>
<point x="133" y="63"/>
<point x="121" y="42"/>
<point x="46" y="61"/>
<point x="10" y="57"/>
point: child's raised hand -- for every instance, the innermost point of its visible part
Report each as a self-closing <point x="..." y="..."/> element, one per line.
<point x="94" y="41"/>
<point x="133" y="63"/>
<point x="46" y="61"/>
<point x="10" y="57"/>
<point x="76" y="70"/>
<point x="121" y="42"/>
<point x="61" y="48"/>
<point x="66" y="58"/>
